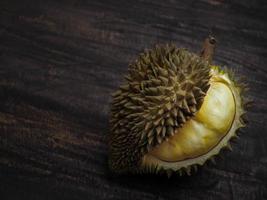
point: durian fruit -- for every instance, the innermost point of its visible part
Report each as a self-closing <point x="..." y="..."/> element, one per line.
<point x="174" y="112"/>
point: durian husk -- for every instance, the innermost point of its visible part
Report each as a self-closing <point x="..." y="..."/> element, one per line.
<point x="165" y="87"/>
<point x="151" y="164"/>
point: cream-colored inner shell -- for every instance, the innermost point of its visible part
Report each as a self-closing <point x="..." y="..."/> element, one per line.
<point x="200" y="137"/>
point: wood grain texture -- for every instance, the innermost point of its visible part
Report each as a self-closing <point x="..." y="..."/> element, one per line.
<point x="61" y="60"/>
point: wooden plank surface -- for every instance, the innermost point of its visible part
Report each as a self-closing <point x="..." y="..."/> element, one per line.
<point x="59" y="62"/>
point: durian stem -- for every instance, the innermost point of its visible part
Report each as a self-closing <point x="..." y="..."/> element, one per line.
<point x="208" y="49"/>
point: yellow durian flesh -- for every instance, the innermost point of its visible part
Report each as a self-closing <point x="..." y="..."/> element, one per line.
<point x="207" y="132"/>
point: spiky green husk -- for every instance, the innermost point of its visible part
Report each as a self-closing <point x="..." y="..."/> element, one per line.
<point x="164" y="88"/>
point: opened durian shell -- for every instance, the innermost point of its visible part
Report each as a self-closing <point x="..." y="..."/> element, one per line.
<point x="164" y="90"/>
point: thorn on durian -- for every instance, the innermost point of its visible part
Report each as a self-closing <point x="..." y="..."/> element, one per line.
<point x="212" y="159"/>
<point x="195" y="168"/>
<point x="158" y="130"/>
<point x="243" y="119"/>
<point x="235" y="136"/>
<point x="188" y="170"/>
<point x="229" y="147"/>
<point x="170" y="121"/>
<point x="169" y="173"/>
<point x="168" y="106"/>
<point x="248" y="104"/>
<point x="159" y="139"/>
<point x="163" y="132"/>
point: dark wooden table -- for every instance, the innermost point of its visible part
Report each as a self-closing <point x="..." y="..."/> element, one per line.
<point x="61" y="60"/>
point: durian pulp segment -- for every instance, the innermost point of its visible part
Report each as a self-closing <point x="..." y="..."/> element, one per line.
<point x="205" y="134"/>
